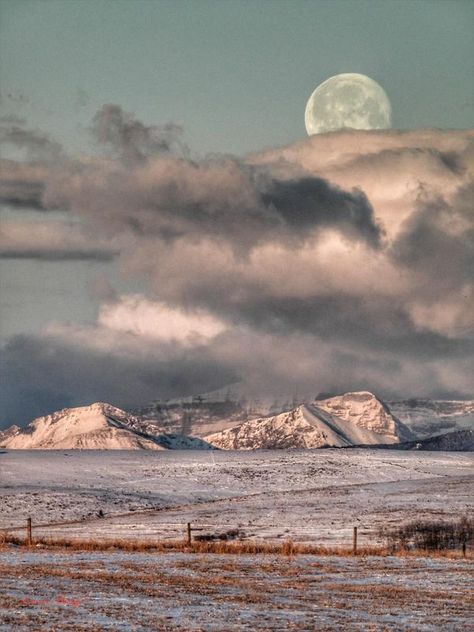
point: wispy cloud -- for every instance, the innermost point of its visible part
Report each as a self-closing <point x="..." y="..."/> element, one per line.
<point x="52" y="241"/>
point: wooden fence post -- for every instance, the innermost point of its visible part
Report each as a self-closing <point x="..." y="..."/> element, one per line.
<point x="189" y="533"/>
<point x="29" y="532"/>
<point x="354" y="541"/>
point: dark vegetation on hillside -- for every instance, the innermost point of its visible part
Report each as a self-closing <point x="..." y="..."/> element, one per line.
<point x="431" y="535"/>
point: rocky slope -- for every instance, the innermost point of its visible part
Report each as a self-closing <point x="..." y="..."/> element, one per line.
<point x="99" y="426"/>
<point x="358" y="419"/>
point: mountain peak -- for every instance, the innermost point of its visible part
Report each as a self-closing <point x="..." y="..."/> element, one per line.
<point x="96" y="426"/>
<point x="367" y="411"/>
<point x="344" y="421"/>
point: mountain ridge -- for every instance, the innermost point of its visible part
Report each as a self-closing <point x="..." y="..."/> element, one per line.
<point x="97" y="426"/>
<point x="354" y="418"/>
<point x="457" y="441"/>
<point x="362" y="419"/>
<point x="214" y="411"/>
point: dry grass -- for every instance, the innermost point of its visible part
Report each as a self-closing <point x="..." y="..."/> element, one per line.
<point x="275" y="592"/>
<point x="288" y="548"/>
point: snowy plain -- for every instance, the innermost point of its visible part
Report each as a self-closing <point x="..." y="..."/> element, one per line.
<point x="307" y="495"/>
<point x="120" y="591"/>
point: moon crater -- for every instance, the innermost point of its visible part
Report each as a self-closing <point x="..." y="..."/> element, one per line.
<point x="348" y="100"/>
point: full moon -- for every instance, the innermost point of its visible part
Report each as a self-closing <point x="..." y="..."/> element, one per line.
<point x="349" y="100"/>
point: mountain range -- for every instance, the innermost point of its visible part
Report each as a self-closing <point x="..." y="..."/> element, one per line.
<point x="96" y="427"/>
<point x="221" y="420"/>
<point x="238" y="403"/>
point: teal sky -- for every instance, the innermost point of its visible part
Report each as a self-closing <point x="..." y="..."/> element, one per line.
<point x="235" y="75"/>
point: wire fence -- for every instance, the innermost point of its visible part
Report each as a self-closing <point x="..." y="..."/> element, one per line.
<point x="110" y="528"/>
<point x="102" y="530"/>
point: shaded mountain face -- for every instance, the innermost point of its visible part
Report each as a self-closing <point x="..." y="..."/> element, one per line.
<point x="196" y="417"/>
<point x="9" y="432"/>
<point x="214" y="411"/>
<point x="459" y="441"/>
<point x="428" y="417"/>
<point x="349" y="420"/>
<point x="98" y="426"/>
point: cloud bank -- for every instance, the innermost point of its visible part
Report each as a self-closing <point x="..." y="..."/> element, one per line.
<point x="342" y="261"/>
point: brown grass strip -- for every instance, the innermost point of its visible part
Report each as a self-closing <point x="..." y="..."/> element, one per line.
<point x="288" y="548"/>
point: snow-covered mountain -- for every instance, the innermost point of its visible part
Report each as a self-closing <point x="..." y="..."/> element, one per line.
<point x="199" y="415"/>
<point x="353" y="419"/>
<point x="233" y="418"/>
<point x="366" y="411"/>
<point x="9" y="432"/>
<point x="196" y="418"/>
<point x="98" y="426"/>
<point x="428" y="417"/>
<point x="212" y="412"/>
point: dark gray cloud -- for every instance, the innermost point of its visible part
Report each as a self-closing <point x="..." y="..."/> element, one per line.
<point x="21" y="185"/>
<point x="52" y="240"/>
<point x="130" y="139"/>
<point x="307" y="202"/>
<point x="38" y="146"/>
<point x="39" y="375"/>
<point x="222" y="200"/>
<point x="437" y="159"/>
<point x="361" y="323"/>
<point x="57" y="255"/>
<point x="437" y="241"/>
<point x="345" y="261"/>
<point x="152" y="189"/>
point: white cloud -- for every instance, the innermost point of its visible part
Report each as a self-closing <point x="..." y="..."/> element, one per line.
<point x="137" y="315"/>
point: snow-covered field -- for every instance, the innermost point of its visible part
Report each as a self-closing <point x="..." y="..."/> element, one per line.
<point x="308" y="495"/>
<point x="194" y="592"/>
